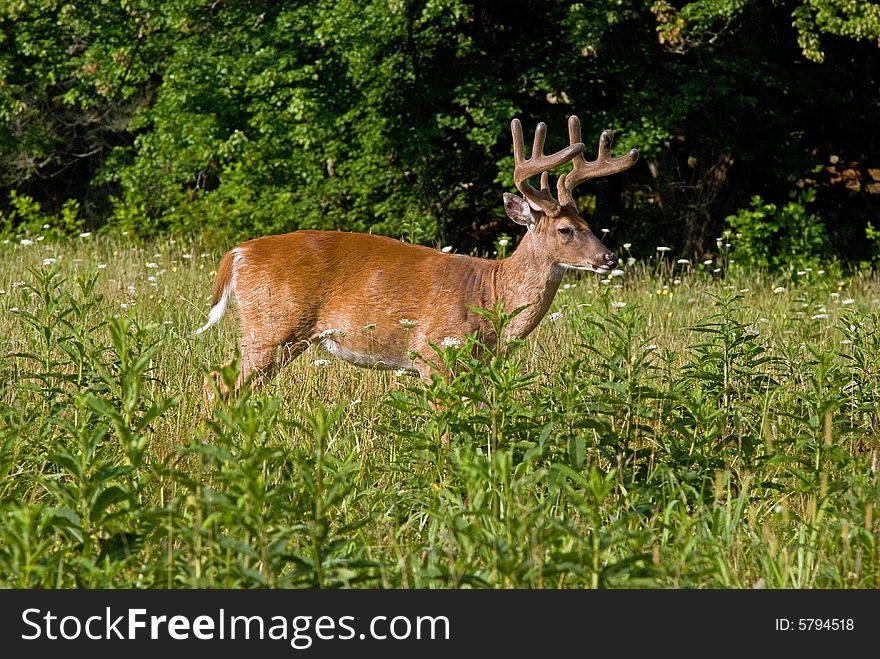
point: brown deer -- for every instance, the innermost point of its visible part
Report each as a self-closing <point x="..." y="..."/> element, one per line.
<point x="380" y="303"/>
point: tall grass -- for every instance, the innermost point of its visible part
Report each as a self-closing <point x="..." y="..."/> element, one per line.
<point x="671" y="427"/>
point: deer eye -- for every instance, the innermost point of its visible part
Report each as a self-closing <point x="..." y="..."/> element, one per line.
<point x="565" y="230"/>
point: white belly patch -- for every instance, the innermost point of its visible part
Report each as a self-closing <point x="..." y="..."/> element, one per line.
<point x="364" y="359"/>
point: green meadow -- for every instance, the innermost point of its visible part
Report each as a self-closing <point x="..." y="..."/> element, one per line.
<point x="672" y="425"/>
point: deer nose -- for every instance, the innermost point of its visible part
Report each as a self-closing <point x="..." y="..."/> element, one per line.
<point x="610" y="259"/>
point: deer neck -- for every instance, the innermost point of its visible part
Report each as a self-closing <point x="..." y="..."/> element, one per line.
<point x="527" y="278"/>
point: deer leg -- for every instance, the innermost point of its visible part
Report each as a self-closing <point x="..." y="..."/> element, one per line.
<point x="259" y="364"/>
<point x="213" y="380"/>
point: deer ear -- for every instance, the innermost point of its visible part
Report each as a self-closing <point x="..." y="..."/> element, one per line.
<point x="519" y="210"/>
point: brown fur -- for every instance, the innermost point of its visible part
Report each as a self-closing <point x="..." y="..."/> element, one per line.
<point x="381" y="303"/>
<point x="295" y="289"/>
<point x="224" y="275"/>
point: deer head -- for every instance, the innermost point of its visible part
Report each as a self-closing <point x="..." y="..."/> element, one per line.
<point x="562" y="234"/>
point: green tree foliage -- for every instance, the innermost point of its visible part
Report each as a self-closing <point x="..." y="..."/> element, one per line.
<point x="779" y="238"/>
<point x="393" y="116"/>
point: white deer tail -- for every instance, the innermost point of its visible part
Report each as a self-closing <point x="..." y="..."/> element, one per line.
<point x="223" y="285"/>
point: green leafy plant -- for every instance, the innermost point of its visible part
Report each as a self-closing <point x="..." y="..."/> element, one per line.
<point x="786" y="238"/>
<point x="661" y="428"/>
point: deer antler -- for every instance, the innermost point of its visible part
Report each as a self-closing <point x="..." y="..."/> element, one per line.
<point x="538" y="163"/>
<point x="583" y="170"/>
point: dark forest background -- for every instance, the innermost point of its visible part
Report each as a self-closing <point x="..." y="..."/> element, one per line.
<point x="233" y="119"/>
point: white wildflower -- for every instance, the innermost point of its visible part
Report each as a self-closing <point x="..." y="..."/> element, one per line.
<point x="631" y="261"/>
<point x="85" y="234"/>
<point x="321" y="362"/>
<point x="820" y="316"/>
<point x="450" y="342"/>
<point x="801" y="273"/>
<point x="26" y="242"/>
<point x="626" y="246"/>
<point x="848" y="300"/>
<point x="333" y="331"/>
<point x="503" y="242"/>
<point x="683" y="261"/>
<point x="50" y="261"/>
<point x="152" y="265"/>
<point x="101" y="266"/>
<point x="408" y="323"/>
<point x="663" y="249"/>
<point x="556" y="315"/>
<point x="708" y="262"/>
<point x="617" y="272"/>
<point x="846" y="342"/>
<point x="370" y="326"/>
<point x="447" y="249"/>
<point x="618" y="305"/>
<point x="40" y="238"/>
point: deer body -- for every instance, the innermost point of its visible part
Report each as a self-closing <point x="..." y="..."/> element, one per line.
<point x="380" y="303"/>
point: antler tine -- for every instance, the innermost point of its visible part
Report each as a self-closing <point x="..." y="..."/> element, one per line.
<point x="538" y="142"/>
<point x="518" y="155"/>
<point x="538" y="163"/>
<point x="574" y="130"/>
<point x="583" y="169"/>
